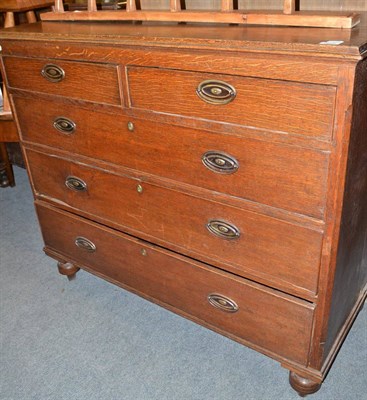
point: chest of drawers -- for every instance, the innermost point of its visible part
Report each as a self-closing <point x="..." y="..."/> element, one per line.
<point x="217" y="171"/>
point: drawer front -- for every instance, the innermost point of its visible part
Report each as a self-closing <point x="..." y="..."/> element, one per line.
<point x="263" y="317"/>
<point x="84" y="81"/>
<point x="300" y="109"/>
<point x="247" y="243"/>
<point x="288" y="177"/>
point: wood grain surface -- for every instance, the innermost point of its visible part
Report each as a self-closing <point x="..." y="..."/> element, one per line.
<point x="177" y="218"/>
<point x="278" y="106"/>
<point x="296" y="202"/>
<point x="166" y="150"/>
<point x="220" y="38"/>
<point x="335" y="5"/>
<point x="82" y="81"/>
<point x="186" y="284"/>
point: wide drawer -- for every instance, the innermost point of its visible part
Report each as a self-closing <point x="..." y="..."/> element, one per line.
<point x="250" y="244"/>
<point x="288" y="177"/>
<point x="262" y="317"/>
<point x="78" y="80"/>
<point x="296" y="108"/>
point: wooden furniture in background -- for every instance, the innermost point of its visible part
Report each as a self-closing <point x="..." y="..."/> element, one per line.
<point x="8" y="134"/>
<point x="226" y="14"/>
<point x="8" y="131"/>
<point x="219" y="171"/>
<point x="9" y="7"/>
<point x="306" y="5"/>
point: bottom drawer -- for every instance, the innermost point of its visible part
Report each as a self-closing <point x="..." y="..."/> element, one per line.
<point x="276" y="323"/>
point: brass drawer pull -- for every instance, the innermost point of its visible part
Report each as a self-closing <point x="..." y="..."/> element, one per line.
<point x="216" y="92"/>
<point x="64" y="125"/>
<point x="223" y="229"/>
<point x="85" y="244"/>
<point x="223" y="303"/>
<point x="53" y="73"/>
<point x="220" y="162"/>
<point x="76" y="184"/>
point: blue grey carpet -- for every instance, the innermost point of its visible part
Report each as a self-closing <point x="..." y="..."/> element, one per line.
<point x="89" y="340"/>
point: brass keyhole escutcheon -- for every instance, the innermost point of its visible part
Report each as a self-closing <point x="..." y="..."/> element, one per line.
<point x="139" y="188"/>
<point x="130" y="126"/>
<point x="143" y="252"/>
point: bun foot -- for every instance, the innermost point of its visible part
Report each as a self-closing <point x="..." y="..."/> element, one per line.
<point x="303" y="386"/>
<point x="67" y="269"/>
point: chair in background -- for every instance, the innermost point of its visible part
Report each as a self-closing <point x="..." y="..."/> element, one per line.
<point x="8" y="131"/>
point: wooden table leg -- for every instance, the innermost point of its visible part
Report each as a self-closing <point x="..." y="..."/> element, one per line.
<point x="6" y="169"/>
<point x="31" y="17"/>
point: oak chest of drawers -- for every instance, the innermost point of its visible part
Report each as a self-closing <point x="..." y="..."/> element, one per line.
<point x="218" y="171"/>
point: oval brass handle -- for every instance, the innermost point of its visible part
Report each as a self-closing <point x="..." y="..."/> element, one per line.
<point x="216" y="92"/>
<point x="223" y="229"/>
<point x="220" y="162"/>
<point x="223" y="303"/>
<point x="75" y="183"/>
<point x="53" y="73"/>
<point x="64" y="125"/>
<point x="85" y="244"/>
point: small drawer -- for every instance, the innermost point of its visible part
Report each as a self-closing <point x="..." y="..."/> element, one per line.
<point x="83" y="81"/>
<point x="279" y="175"/>
<point x="296" y="108"/>
<point x="262" y="317"/>
<point x="252" y="245"/>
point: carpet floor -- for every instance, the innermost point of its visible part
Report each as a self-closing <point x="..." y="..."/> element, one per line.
<point x="89" y="340"/>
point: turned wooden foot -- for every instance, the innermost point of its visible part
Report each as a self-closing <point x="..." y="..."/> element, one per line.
<point x="67" y="269"/>
<point x="303" y="386"/>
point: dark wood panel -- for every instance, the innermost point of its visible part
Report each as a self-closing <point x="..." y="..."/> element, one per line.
<point x="267" y="248"/>
<point x="351" y="269"/>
